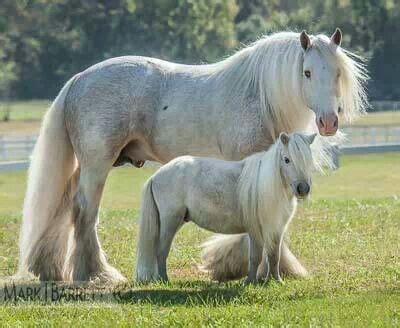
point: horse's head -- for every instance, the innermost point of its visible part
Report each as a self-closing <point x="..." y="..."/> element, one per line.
<point x="296" y="162"/>
<point x="321" y="74"/>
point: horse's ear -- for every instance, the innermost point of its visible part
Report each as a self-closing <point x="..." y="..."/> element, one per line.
<point x="336" y="37"/>
<point x="305" y="40"/>
<point x="311" y="138"/>
<point x="284" y="138"/>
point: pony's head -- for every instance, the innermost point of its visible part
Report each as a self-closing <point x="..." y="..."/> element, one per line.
<point x="295" y="162"/>
<point x="332" y="81"/>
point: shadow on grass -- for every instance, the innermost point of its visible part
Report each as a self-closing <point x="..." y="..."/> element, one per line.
<point x="179" y="293"/>
<point x="191" y="293"/>
<point x="209" y="295"/>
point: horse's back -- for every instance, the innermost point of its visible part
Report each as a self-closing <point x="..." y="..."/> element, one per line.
<point x="117" y="80"/>
<point x="114" y="101"/>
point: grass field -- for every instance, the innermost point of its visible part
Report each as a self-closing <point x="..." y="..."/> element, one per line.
<point x="26" y="115"/>
<point x="347" y="235"/>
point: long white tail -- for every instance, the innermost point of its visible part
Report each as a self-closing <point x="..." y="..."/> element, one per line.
<point x="52" y="165"/>
<point x="149" y="232"/>
<point x="226" y="257"/>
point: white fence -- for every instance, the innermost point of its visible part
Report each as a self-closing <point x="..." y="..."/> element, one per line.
<point x="372" y="135"/>
<point x="15" y="151"/>
<point x="16" y="148"/>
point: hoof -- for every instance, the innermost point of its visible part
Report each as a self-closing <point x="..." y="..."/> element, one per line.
<point x="247" y="281"/>
<point x="138" y="164"/>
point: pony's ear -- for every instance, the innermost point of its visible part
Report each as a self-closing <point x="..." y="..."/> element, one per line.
<point x="311" y="138"/>
<point x="305" y="40"/>
<point x="336" y="37"/>
<point x="284" y="138"/>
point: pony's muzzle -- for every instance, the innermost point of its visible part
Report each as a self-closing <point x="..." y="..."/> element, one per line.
<point x="302" y="189"/>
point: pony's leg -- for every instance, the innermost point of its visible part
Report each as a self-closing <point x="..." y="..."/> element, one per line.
<point x="263" y="272"/>
<point x="169" y="225"/>
<point x="254" y="260"/>
<point x="88" y="260"/>
<point x="274" y="259"/>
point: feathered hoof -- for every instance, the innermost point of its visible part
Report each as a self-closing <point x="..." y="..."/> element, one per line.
<point x="111" y="276"/>
<point x="23" y="276"/>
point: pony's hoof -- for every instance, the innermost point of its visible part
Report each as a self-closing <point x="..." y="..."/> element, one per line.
<point x="138" y="164"/>
<point x="248" y="281"/>
<point x="278" y="279"/>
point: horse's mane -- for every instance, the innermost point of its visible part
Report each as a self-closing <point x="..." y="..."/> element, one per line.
<point x="261" y="187"/>
<point x="271" y="69"/>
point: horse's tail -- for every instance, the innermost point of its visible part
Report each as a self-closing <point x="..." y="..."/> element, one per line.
<point x="52" y="165"/>
<point x="149" y="231"/>
<point x="226" y="257"/>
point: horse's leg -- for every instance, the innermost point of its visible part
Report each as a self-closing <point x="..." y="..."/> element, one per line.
<point x="254" y="260"/>
<point x="51" y="249"/>
<point x="88" y="260"/>
<point x="169" y="225"/>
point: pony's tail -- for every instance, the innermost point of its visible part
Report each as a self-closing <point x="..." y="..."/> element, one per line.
<point x="52" y="165"/>
<point x="149" y="232"/>
<point x="226" y="257"/>
<point x="289" y="265"/>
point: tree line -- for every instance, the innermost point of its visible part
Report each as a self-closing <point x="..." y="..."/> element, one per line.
<point x="44" y="42"/>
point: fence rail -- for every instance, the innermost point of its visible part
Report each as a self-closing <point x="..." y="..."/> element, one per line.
<point x="15" y="151"/>
<point x="16" y="148"/>
<point x="373" y="135"/>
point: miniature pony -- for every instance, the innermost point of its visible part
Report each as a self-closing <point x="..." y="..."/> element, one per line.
<point x="257" y="195"/>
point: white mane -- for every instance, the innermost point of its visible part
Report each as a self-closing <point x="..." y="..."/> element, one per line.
<point x="271" y="69"/>
<point x="262" y="188"/>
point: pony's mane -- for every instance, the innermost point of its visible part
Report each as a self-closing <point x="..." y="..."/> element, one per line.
<point x="261" y="187"/>
<point x="271" y="69"/>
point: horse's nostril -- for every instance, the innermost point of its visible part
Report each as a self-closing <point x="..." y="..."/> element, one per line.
<point x="321" y="122"/>
<point x="335" y="124"/>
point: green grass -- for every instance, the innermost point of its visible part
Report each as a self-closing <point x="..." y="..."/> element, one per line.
<point x="26" y="110"/>
<point x="25" y="117"/>
<point x="347" y="236"/>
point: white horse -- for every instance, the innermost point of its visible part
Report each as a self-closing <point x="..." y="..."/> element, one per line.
<point x="133" y="109"/>
<point x="256" y="195"/>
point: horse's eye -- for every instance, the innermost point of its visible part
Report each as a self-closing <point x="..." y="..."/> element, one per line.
<point x="307" y="74"/>
<point x="287" y="160"/>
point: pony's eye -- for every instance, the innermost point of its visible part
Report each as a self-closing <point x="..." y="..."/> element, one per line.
<point x="287" y="160"/>
<point x="307" y="74"/>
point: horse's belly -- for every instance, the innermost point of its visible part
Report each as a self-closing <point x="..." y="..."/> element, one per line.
<point x="180" y="134"/>
<point x="217" y="223"/>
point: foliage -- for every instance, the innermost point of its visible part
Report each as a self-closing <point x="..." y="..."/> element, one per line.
<point x="45" y="42"/>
